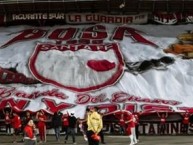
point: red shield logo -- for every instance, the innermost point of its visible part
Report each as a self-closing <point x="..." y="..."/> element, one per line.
<point x="78" y="67"/>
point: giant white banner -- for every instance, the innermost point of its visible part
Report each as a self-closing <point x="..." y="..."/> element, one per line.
<point x="68" y="67"/>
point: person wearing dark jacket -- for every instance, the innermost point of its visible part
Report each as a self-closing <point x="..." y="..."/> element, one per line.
<point x="71" y="128"/>
<point x="57" y="123"/>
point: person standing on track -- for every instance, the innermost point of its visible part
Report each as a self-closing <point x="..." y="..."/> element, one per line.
<point x="162" y="127"/>
<point x="65" y="122"/>
<point x="41" y="118"/>
<point x="95" y="125"/>
<point x="57" y="123"/>
<point x="186" y="121"/>
<point x="16" y="124"/>
<point x="7" y="118"/>
<point x="72" y="127"/>
<point x="131" y="122"/>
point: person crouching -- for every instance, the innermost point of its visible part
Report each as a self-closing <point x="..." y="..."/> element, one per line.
<point x="29" y="133"/>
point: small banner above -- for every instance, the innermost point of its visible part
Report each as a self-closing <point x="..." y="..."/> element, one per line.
<point x="76" y="18"/>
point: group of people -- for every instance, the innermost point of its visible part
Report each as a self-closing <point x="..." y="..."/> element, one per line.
<point x="32" y="124"/>
<point x="91" y="127"/>
<point x="25" y="125"/>
<point x="163" y="117"/>
<point x="129" y="124"/>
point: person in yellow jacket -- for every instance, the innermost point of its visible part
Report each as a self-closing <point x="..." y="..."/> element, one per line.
<point x="95" y="125"/>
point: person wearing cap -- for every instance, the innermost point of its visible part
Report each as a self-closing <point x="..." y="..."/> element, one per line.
<point x="95" y="125"/>
<point x="29" y="133"/>
<point x="72" y="127"/>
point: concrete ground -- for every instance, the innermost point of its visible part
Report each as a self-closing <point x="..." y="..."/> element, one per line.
<point x="112" y="140"/>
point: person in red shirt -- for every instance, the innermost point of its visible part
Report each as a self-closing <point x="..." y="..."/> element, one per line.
<point x="7" y="118"/>
<point x="131" y="122"/>
<point x="16" y="124"/>
<point x="162" y="127"/>
<point x="186" y="121"/>
<point x="121" y="116"/>
<point x="41" y="118"/>
<point x="29" y="133"/>
<point x="65" y="122"/>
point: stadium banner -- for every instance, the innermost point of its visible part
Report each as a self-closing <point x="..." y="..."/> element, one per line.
<point x="138" y="68"/>
<point x="171" y="128"/>
<point x="172" y="18"/>
<point x="79" y="18"/>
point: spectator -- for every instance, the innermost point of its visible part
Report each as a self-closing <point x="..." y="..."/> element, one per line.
<point x="72" y="126"/>
<point x="186" y="121"/>
<point x="65" y="123"/>
<point x="163" y="116"/>
<point x="16" y="124"/>
<point x="7" y="118"/>
<point x="131" y="121"/>
<point x="122" y="123"/>
<point x="29" y="133"/>
<point x="56" y="123"/>
<point x="121" y="116"/>
<point x="41" y="118"/>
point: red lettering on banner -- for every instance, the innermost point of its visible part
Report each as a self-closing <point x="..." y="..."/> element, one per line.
<point x="27" y="34"/>
<point x="121" y="97"/>
<point x="53" y="107"/>
<point x="91" y="35"/>
<point x="95" y="32"/>
<point x="63" y="34"/>
<point x="86" y="98"/>
<point x="132" y="33"/>
<point x="18" y="105"/>
<point x="146" y="108"/>
<point x="8" y="92"/>
<point x="83" y="98"/>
